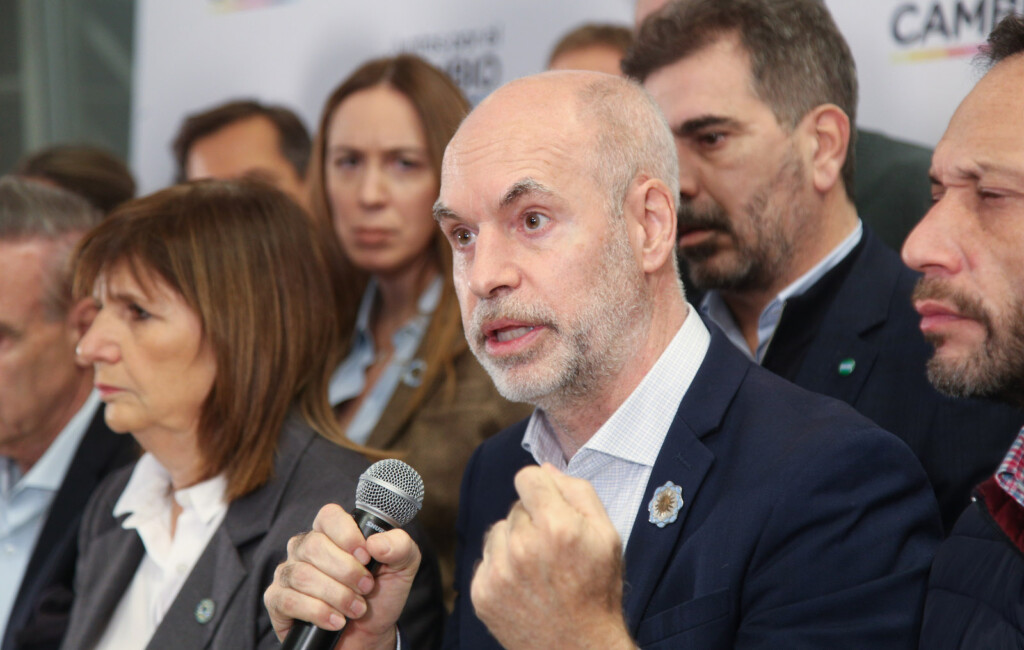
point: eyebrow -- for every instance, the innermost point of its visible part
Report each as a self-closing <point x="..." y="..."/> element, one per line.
<point x="974" y="172"/>
<point x="397" y="149"/>
<point x="442" y="211"/>
<point x="524" y="187"/>
<point x="689" y="127"/>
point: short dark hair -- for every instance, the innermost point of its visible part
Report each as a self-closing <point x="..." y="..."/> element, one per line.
<point x="1006" y="39"/>
<point x="293" y="137"/>
<point x="96" y="175"/>
<point x="616" y="37"/>
<point x="798" y="58"/>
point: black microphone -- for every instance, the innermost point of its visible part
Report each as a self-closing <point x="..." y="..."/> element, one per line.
<point x="388" y="495"/>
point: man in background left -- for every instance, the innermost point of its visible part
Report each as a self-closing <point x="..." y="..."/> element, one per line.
<point x="246" y="139"/>
<point x="54" y="445"/>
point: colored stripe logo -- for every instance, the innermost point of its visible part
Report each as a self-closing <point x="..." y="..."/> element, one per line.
<point x="935" y="54"/>
<point x="232" y="6"/>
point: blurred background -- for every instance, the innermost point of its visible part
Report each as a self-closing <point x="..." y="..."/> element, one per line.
<point x="122" y="74"/>
<point x="65" y="74"/>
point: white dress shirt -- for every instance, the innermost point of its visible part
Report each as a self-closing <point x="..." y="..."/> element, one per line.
<point x="168" y="559"/>
<point x="619" y="457"/>
<point x="25" y="502"/>
<point x="714" y="306"/>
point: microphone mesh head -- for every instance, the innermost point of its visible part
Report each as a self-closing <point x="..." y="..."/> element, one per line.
<point x="391" y="489"/>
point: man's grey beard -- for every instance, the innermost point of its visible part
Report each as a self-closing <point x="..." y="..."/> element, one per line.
<point x="997" y="370"/>
<point x="597" y="341"/>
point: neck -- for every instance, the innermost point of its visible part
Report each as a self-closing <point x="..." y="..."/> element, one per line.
<point x="398" y="298"/>
<point x="576" y="420"/>
<point x="178" y="452"/>
<point x="811" y="248"/>
<point x="26" y="449"/>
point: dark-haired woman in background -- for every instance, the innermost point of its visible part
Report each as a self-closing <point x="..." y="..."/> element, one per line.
<point x="409" y="383"/>
<point x="213" y="345"/>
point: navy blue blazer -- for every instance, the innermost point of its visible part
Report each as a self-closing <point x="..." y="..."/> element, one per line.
<point x="804" y="525"/>
<point x="860" y="314"/>
<point x="43" y="605"/>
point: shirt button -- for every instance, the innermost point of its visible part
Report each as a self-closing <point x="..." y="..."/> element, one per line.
<point x="182" y="569"/>
<point x="10" y="549"/>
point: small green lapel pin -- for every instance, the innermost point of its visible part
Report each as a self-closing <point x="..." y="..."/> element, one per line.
<point x="846" y="367"/>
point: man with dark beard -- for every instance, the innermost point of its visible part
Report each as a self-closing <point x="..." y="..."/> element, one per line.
<point x="761" y="96"/>
<point x="666" y="492"/>
<point x="970" y="247"/>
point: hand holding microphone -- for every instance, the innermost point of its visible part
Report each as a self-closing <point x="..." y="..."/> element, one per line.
<point x="327" y="577"/>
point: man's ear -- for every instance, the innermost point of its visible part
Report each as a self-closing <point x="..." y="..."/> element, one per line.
<point x="656" y="217"/>
<point x="828" y="129"/>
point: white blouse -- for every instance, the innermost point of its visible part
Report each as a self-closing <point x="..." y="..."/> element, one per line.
<point x="169" y="558"/>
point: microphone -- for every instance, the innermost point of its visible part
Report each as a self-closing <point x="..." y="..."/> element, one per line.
<point x="388" y="495"/>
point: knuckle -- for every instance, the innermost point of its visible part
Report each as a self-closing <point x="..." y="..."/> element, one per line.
<point x="295" y="542"/>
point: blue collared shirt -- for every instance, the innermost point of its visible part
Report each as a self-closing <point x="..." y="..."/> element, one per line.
<point x="714" y="307"/>
<point x="25" y="501"/>
<point x="619" y="458"/>
<point x="349" y="380"/>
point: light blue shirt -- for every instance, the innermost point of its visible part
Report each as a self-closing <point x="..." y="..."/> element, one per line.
<point x="25" y="502"/>
<point x="714" y="307"/>
<point x="619" y="458"/>
<point x="349" y="380"/>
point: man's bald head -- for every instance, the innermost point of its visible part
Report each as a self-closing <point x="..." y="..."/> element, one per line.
<point x="624" y="131"/>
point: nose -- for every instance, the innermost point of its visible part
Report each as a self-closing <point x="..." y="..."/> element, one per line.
<point x="97" y="345"/>
<point x="491" y="269"/>
<point x="689" y="184"/>
<point x="934" y="245"/>
<point x="373" y="190"/>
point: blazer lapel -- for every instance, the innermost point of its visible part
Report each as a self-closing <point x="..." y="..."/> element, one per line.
<point x="393" y="419"/>
<point x="685" y="461"/>
<point x="196" y="612"/>
<point x="125" y="550"/>
<point x="842" y="355"/>
<point x="396" y="414"/>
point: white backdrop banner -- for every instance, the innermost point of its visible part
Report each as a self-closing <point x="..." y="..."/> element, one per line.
<point x="191" y="54"/>
<point x="914" y="56"/>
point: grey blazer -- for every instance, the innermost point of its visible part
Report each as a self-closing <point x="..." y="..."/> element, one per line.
<point x="221" y="603"/>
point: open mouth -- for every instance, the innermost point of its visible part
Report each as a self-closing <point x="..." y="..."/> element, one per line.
<point x="511" y="333"/>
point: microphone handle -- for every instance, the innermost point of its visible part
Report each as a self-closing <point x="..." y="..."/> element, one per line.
<point x="306" y="636"/>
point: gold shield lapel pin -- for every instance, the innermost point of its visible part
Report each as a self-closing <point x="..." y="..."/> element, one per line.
<point x="665" y="505"/>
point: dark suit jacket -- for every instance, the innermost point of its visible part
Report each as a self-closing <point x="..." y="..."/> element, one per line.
<point x="976" y="588"/>
<point x="438" y="437"/>
<point x="862" y="311"/>
<point x="239" y="561"/>
<point x="803" y="526"/>
<point x="41" y="609"/>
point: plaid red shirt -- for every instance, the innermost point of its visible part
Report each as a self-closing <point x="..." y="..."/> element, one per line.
<point x="1010" y="474"/>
